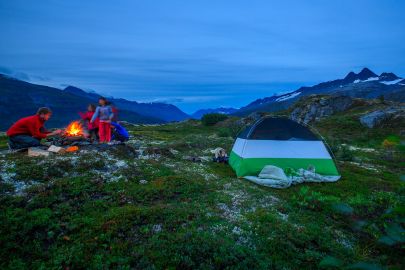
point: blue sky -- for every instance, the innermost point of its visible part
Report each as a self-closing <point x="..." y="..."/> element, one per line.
<point x="198" y="54"/>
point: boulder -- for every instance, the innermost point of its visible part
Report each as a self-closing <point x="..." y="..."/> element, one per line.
<point x="379" y="117"/>
<point x="319" y="107"/>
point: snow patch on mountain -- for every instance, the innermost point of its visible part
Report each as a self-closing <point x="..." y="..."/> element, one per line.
<point x="367" y="80"/>
<point x="391" y="82"/>
<point x="288" y="96"/>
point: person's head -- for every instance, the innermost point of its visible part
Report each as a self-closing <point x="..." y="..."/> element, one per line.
<point x="91" y="107"/>
<point x="44" y="113"/>
<point x="102" y="101"/>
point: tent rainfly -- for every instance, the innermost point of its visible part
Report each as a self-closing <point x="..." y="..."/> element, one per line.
<point x="283" y="143"/>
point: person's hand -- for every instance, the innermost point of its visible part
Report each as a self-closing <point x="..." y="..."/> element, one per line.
<point x="56" y="132"/>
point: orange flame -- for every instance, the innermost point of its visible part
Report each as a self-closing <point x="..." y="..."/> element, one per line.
<point x="74" y="129"/>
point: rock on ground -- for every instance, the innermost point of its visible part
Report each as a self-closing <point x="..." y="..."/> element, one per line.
<point x="378" y="117"/>
<point x="320" y="107"/>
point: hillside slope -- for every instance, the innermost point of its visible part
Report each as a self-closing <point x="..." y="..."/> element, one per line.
<point x="146" y="205"/>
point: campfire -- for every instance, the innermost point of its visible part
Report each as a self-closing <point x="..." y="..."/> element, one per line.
<point x="73" y="134"/>
<point x="73" y="137"/>
<point x="74" y="129"/>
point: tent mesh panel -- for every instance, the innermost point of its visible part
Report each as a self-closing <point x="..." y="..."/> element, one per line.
<point x="278" y="129"/>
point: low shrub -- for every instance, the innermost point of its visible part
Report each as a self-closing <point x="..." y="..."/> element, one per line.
<point x="344" y="154"/>
<point x="224" y="132"/>
<point x="213" y="118"/>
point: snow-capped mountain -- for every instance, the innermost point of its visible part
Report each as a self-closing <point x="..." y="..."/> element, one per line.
<point x="365" y="84"/>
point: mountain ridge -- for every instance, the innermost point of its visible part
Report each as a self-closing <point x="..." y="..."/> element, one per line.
<point x="20" y="98"/>
<point x="164" y="111"/>
<point x="365" y="84"/>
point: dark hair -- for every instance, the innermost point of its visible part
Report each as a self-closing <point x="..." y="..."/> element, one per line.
<point x="43" y="110"/>
<point x="102" y="98"/>
<point x="92" y="106"/>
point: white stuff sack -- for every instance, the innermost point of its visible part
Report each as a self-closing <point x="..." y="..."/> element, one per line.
<point x="273" y="176"/>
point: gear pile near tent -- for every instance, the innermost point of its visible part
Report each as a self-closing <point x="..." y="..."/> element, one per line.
<point x="283" y="143"/>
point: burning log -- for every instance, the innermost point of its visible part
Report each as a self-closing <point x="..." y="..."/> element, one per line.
<point x="74" y="133"/>
<point x="74" y="129"/>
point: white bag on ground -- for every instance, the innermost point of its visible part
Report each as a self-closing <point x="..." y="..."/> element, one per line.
<point x="219" y="152"/>
<point x="272" y="176"/>
<point x="273" y="172"/>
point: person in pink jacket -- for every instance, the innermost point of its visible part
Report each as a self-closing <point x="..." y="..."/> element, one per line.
<point x="91" y="126"/>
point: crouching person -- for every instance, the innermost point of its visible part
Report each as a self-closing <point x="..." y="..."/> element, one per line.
<point x="119" y="133"/>
<point x="28" y="131"/>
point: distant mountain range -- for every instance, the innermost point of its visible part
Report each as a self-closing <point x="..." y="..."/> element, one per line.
<point x="162" y="111"/>
<point x="200" y="113"/>
<point x="365" y="84"/>
<point x="19" y="99"/>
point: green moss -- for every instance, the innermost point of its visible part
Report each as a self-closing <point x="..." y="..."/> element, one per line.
<point x="189" y="215"/>
<point x="3" y="142"/>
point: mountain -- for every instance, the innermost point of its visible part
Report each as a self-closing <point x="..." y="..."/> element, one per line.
<point x="388" y="76"/>
<point x="19" y="98"/>
<point x="163" y="111"/>
<point x="198" y="114"/>
<point x="364" y="74"/>
<point x="365" y="84"/>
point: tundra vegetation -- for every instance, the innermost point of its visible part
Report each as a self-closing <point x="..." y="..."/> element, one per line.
<point x="146" y="206"/>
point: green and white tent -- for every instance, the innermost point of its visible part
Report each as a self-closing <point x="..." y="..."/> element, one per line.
<point x="283" y="143"/>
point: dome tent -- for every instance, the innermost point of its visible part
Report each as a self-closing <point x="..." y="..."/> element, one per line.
<point x="281" y="142"/>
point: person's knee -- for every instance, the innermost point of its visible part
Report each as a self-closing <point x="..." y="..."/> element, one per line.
<point x="35" y="142"/>
<point x="32" y="141"/>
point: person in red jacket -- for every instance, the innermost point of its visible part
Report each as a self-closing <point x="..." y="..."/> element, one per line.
<point x="91" y="127"/>
<point x="28" y="131"/>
